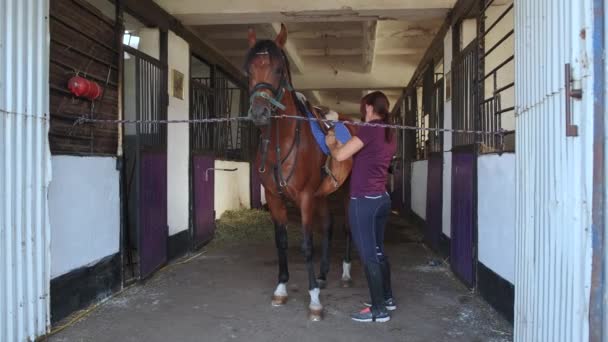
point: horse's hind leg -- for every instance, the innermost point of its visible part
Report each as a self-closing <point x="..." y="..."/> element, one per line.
<point x="327" y="225"/>
<point x="307" y="211"/>
<point x="279" y="218"/>
<point x="346" y="263"/>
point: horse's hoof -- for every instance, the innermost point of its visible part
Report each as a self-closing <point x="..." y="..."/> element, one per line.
<point x="347" y="283"/>
<point x="315" y="315"/>
<point x="322" y="283"/>
<point x="279" y="300"/>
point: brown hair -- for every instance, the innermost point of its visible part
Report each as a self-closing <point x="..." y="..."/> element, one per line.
<point x="381" y="105"/>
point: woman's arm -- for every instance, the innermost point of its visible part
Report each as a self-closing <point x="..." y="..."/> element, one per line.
<point x="342" y="152"/>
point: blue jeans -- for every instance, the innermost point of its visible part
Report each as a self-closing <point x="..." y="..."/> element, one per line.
<point x="368" y="216"/>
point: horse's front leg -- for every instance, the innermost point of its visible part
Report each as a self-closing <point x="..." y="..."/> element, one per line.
<point x="307" y="211"/>
<point x="279" y="218"/>
<point x="327" y="226"/>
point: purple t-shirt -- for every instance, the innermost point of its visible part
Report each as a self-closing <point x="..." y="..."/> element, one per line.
<point x="370" y="164"/>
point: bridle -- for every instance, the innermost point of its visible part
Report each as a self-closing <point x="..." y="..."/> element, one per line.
<point x="276" y="104"/>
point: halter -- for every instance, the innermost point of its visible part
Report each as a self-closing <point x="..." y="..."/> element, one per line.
<point x="275" y="100"/>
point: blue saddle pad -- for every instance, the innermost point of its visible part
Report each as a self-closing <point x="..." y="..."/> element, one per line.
<point x="342" y="133"/>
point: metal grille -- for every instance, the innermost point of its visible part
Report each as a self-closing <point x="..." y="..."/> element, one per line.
<point x="149" y="101"/>
<point x="436" y="118"/>
<point x="217" y="97"/>
<point x="465" y="103"/>
<point x="496" y="56"/>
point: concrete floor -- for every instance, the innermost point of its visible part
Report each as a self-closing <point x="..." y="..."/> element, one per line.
<point x="224" y="295"/>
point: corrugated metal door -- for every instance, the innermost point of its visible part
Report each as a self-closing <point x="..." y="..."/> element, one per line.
<point x="554" y="170"/>
<point x="25" y="170"/>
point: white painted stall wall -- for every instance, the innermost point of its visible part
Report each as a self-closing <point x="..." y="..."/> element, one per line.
<point x="447" y="139"/>
<point x="554" y="172"/>
<point x="419" y="180"/>
<point x="496" y="213"/>
<point x="178" y="143"/>
<point x="84" y="209"/>
<point x="232" y="188"/>
<point x="25" y="170"/>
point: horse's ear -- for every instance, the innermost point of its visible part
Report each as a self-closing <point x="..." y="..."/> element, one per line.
<point x="251" y="37"/>
<point x="282" y="37"/>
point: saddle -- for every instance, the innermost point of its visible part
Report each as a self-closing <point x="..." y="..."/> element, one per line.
<point x="336" y="173"/>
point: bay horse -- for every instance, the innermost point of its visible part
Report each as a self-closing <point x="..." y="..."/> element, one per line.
<point x="290" y="163"/>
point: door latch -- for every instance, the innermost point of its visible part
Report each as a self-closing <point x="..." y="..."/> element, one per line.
<point x="571" y="129"/>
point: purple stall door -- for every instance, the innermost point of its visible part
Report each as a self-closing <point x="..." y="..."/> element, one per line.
<point x="153" y="229"/>
<point x="434" y="200"/>
<point x="463" y="216"/>
<point x="204" y="209"/>
<point x="256" y="185"/>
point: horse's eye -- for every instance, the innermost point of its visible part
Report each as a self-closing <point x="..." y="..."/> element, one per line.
<point x="278" y="72"/>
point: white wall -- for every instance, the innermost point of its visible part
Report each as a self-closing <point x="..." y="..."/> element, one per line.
<point x="84" y="209"/>
<point x="231" y="188"/>
<point x="496" y="213"/>
<point x="178" y="147"/>
<point x="419" y="180"/>
<point x="447" y="139"/>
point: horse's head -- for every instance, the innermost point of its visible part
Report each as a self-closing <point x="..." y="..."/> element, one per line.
<point x="269" y="78"/>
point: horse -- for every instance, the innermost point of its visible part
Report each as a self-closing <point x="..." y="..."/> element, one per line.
<point x="290" y="163"/>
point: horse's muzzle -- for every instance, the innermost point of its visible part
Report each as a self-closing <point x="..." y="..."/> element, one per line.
<point x="260" y="113"/>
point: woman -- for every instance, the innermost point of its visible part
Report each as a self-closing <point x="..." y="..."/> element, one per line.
<point x="372" y="150"/>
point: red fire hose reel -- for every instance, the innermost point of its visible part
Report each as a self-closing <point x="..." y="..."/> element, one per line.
<point x="81" y="87"/>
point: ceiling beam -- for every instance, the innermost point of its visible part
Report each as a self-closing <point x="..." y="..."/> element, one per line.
<point x="337" y="52"/>
<point x="227" y="34"/>
<point x="370" y="28"/>
<point x="196" y="12"/>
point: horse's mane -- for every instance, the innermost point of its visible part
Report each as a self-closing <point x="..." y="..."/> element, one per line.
<point x="274" y="53"/>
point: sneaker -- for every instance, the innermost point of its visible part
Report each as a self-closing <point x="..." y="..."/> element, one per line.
<point x="389" y="303"/>
<point x="366" y="315"/>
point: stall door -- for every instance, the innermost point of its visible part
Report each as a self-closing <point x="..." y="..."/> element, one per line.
<point x="146" y="160"/>
<point x="464" y="163"/>
<point x="434" y="200"/>
<point x="153" y="211"/>
<point x="204" y="210"/>
<point x="202" y="148"/>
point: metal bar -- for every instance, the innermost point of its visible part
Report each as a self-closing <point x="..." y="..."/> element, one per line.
<point x="486" y="6"/>
<point x="508" y="109"/>
<point x="497" y="21"/>
<point x="500" y="66"/>
<point x="509" y="34"/>
<point x="503" y="88"/>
